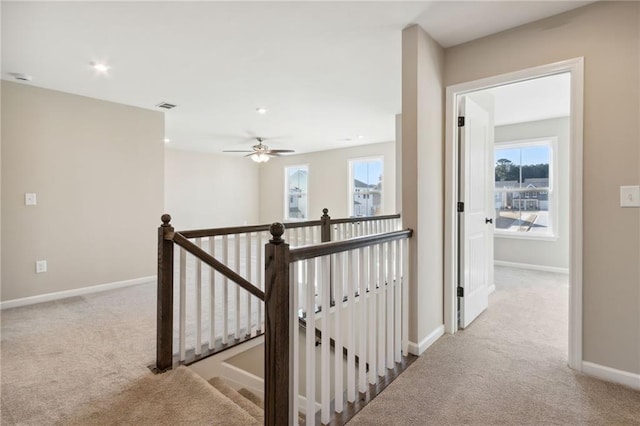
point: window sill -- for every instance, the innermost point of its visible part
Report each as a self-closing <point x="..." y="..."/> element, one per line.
<point x="523" y="236"/>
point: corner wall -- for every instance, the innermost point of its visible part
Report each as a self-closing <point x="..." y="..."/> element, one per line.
<point x="97" y="170"/>
<point x="422" y="172"/>
<point x="607" y="35"/>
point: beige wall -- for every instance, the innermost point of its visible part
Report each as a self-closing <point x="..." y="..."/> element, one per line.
<point x="607" y="35"/>
<point x="423" y="177"/>
<point x="553" y="253"/>
<point x="97" y="170"/>
<point x="208" y="191"/>
<point x="328" y="181"/>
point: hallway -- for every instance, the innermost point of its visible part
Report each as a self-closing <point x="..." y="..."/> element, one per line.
<point x="508" y="367"/>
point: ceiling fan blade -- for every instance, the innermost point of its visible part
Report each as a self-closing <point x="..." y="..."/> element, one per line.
<point x="280" y="151"/>
<point x="236" y="151"/>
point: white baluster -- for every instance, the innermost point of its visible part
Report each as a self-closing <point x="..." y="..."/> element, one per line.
<point x="405" y="296"/>
<point x="212" y="295"/>
<point x="339" y="273"/>
<point x="350" y="276"/>
<point x="248" y="264"/>
<point x="389" y="291"/>
<point x="225" y="291"/>
<point x="236" y="268"/>
<point x="362" y="329"/>
<point x="311" y="343"/>
<point x="198" y="301"/>
<point x="294" y="333"/>
<point x="325" y="371"/>
<point x="372" y="320"/>
<point x="183" y="303"/>
<point x="397" y="289"/>
<point x="382" y="302"/>
<point x="304" y="230"/>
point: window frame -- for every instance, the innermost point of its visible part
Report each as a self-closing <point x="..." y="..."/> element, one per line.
<point x="287" y="195"/>
<point x="350" y="187"/>
<point x="552" y="142"/>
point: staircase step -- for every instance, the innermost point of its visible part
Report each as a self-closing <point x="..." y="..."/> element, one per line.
<point x="246" y="404"/>
<point x="252" y="397"/>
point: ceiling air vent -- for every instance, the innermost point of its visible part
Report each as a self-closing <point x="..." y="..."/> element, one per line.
<point x="166" y="105"/>
<point x="20" y="77"/>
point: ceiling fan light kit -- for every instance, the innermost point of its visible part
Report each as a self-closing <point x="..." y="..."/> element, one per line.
<point x="261" y="153"/>
<point x="259" y="157"/>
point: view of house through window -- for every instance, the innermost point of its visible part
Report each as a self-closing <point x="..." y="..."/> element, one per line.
<point x="366" y="187"/>
<point x="523" y="189"/>
<point x="297" y="181"/>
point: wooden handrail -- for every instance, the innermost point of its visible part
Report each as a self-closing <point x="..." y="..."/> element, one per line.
<point x="183" y="242"/>
<point x="365" y="218"/>
<point x="213" y="232"/>
<point x="324" y="249"/>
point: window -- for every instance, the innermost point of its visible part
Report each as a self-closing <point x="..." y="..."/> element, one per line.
<point x="296" y="187"/>
<point x="365" y="193"/>
<point x="524" y="194"/>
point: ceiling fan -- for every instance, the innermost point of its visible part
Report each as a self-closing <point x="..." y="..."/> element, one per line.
<point x="261" y="153"/>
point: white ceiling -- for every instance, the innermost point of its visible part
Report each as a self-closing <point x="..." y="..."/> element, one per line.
<point x="326" y="71"/>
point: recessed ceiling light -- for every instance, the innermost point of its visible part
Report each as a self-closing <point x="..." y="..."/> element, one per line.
<point x="100" y="67"/>
<point x="167" y="140"/>
<point x="360" y="137"/>
<point x="262" y="110"/>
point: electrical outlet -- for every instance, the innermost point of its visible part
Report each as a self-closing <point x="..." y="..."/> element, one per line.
<point x="30" y="199"/>
<point x="41" y="266"/>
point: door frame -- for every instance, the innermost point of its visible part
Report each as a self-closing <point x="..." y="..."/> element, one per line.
<point x="574" y="66"/>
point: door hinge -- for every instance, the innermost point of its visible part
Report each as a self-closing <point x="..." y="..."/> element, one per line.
<point x="460" y="207"/>
<point x="460" y="121"/>
<point x="460" y="292"/>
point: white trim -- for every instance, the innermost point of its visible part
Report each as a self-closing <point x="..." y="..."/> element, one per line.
<point x="609" y="374"/>
<point x="32" y="300"/>
<point x="491" y="289"/>
<point x="576" y="68"/>
<point x="419" y="348"/>
<point x="531" y="266"/>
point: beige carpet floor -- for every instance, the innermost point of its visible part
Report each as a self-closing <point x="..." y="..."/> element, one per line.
<point x="509" y="367"/>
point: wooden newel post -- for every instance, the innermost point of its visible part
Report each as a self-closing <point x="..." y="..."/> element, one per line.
<point x="276" y="353"/>
<point x="164" y="354"/>
<point x="325" y="228"/>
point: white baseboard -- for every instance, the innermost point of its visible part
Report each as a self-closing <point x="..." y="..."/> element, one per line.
<point x="419" y="348"/>
<point x="32" y="300"/>
<point x="491" y="289"/>
<point x="609" y="374"/>
<point x="532" y="267"/>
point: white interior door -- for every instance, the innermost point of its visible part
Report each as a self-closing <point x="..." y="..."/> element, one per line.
<point x="476" y="220"/>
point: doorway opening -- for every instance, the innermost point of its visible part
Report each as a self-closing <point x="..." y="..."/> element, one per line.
<point x="514" y="194"/>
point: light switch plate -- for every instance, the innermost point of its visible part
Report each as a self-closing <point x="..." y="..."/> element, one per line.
<point x="30" y="199"/>
<point x="41" y="266"/>
<point x="630" y="196"/>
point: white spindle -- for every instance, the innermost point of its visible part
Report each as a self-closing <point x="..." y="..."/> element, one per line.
<point x="398" y="302"/>
<point x="183" y="303"/>
<point x="198" y="301"/>
<point x="371" y="323"/>
<point x="362" y="300"/>
<point x="339" y="272"/>
<point x="248" y="264"/>
<point x="212" y="296"/>
<point x="382" y="292"/>
<point x="236" y="268"/>
<point x="335" y="232"/>
<point x="350" y="277"/>
<point x="324" y="291"/>
<point x="225" y="291"/>
<point x="389" y="291"/>
<point x="311" y="343"/>
<point x="294" y="333"/>
<point x="304" y="232"/>
<point x="405" y="296"/>
<point x="259" y="269"/>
